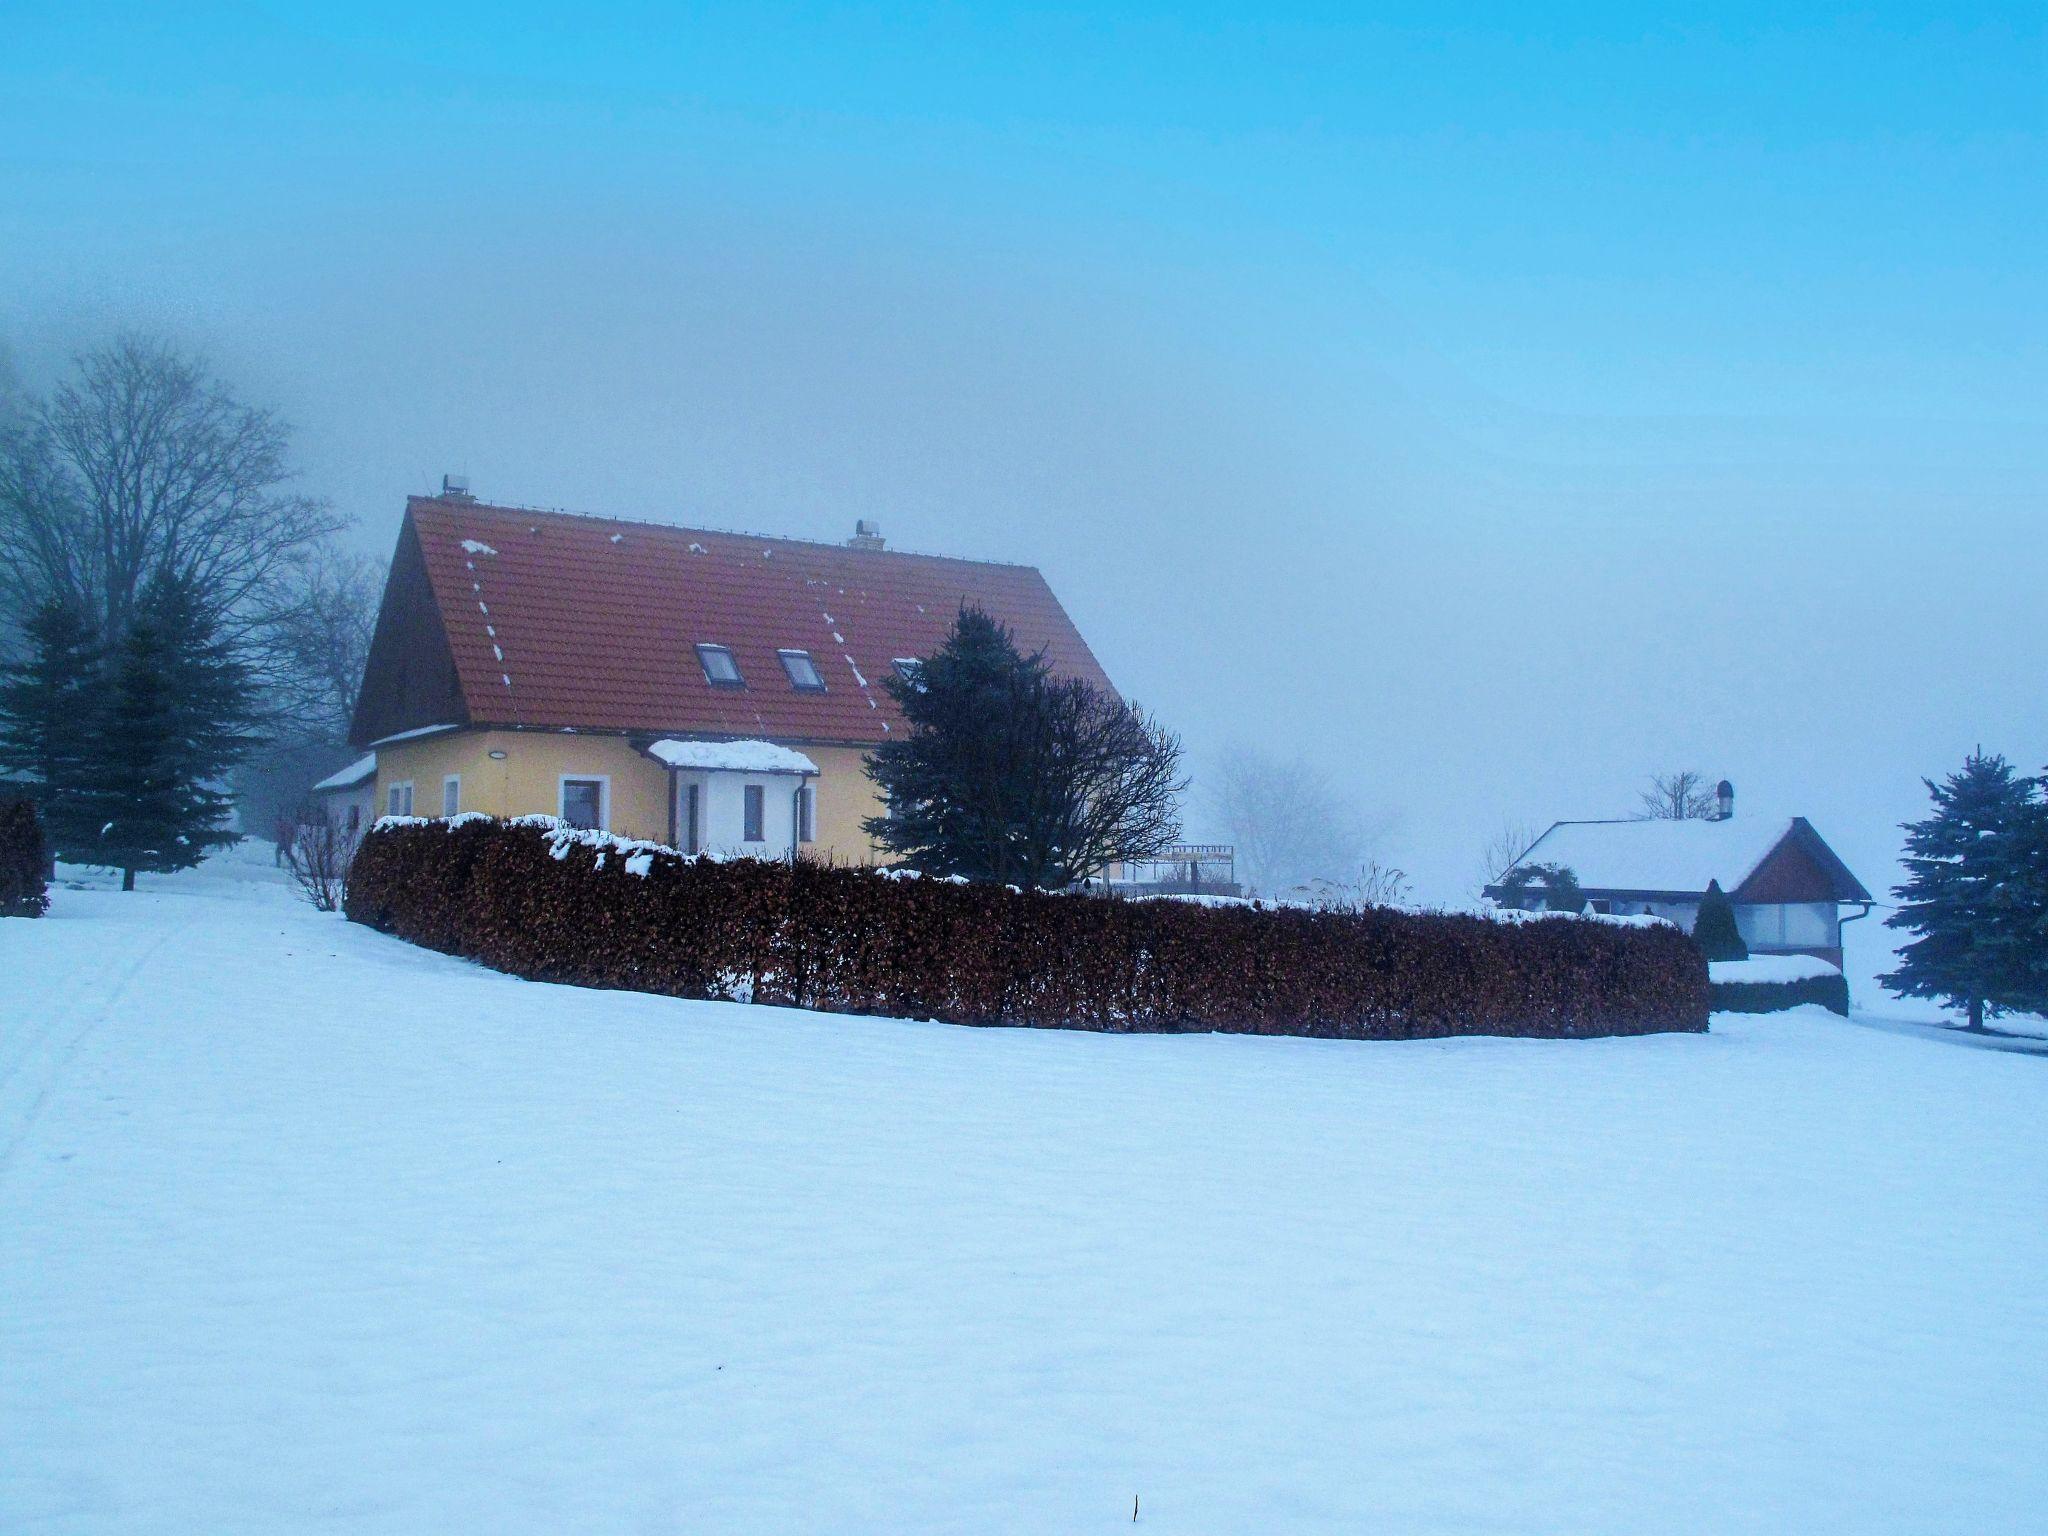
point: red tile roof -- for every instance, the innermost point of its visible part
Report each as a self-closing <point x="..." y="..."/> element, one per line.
<point x="560" y="620"/>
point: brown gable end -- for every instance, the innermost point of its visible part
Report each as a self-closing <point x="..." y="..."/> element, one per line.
<point x="1801" y="868"/>
<point x="409" y="678"/>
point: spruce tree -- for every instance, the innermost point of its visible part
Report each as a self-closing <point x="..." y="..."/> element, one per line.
<point x="47" y="704"/>
<point x="1960" y="862"/>
<point x="1714" y="930"/>
<point x="1010" y="774"/>
<point x="957" y="786"/>
<point x="178" y="718"/>
<point x="2021" y="929"/>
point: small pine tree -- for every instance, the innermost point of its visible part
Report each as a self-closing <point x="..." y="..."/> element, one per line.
<point x="47" y="704"/>
<point x="1714" y="930"/>
<point x="178" y="718"/>
<point x="1960" y="861"/>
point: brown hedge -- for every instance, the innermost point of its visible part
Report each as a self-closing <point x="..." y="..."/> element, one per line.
<point x="534" y="899"/>
<point x="23" y="855"/>
<point x="1831" y="992"/>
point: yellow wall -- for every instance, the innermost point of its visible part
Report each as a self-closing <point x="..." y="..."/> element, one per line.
<point x="527" y="781"/>
<point x="846" y="796"/>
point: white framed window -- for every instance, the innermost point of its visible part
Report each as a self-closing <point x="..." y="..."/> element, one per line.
<point x="585" y="800"/>
<point x="721" y="667"/>
<point x="451" y="794"/>
<point x="807" y="815"/>
<point x="398" y="798"/>
<point x="754" y="814"/>
<point x="803" y="672"/>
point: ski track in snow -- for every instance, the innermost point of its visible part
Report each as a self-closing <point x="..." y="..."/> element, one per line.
<point x="315" y="1231"/>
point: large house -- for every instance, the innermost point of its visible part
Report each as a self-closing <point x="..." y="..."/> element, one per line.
<point x="713" y="691"/>
<point x="1787" y="885"/>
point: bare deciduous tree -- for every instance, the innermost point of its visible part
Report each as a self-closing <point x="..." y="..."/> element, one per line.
<point x="1110" y="786"/>
<point x="322" y="639"/>
<point x="1682" y="796"/>
<point x="1287" y="819"/>
<point x="142" y="464"/>
<point x="1508" y="843"/>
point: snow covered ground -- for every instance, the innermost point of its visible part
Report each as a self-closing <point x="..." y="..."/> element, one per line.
<point x="302" y="1229"/>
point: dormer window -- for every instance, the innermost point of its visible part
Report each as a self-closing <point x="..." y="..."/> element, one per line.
<point x="908" y="668"/>
<point x="720" y="670"/>
<point x="803" y="672"/>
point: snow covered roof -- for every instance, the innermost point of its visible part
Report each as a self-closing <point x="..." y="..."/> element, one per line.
<point x="731" y="756"/>
<point x="355" y="773"/>
<point x="1674" y="856"/>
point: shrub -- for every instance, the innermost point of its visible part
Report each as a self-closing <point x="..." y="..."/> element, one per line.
<point x="23" y="857"/>
<point x="1557" y="885"/>
<point x="1713" y="928"/>
<point x="316" y="848"/>
<point x="1831" y="992"/>
<point x="539" y="900"/>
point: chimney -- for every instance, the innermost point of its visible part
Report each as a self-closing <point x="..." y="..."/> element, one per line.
<point x="1724" y="800"/>
<point x="455" y="488"/>
<point x="866" y="535"/>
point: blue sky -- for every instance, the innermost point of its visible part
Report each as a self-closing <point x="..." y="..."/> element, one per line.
<point x="1493" y="404"/>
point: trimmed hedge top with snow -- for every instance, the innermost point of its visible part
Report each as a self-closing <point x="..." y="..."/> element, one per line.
<point x="542" y="900"/>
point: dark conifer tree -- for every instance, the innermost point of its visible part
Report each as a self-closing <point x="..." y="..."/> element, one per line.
<point x="954" y="787"/>
<point x="1714" y="928"/>
<point x="2021" y="929"/>
<point x="1957" y="897"/>
<point x="178" y="717"/>
<point x="47" y="703"/>
<point x="1009" y="774"/>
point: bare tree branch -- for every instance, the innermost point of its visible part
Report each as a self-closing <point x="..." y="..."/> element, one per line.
<point x="142" y="464"/>
<point x="1681" y="796"/>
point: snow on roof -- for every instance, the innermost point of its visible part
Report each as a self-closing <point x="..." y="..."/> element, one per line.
<point x="1659" y="855"/>
<point x="731" y="756"/>
<point x="1771" y="968"/>
<point x="349" y="777"/>
<point x="418" y="730"/>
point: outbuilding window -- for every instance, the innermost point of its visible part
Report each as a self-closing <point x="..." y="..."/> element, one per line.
<point x="803" y="672"/>
<point x="807" y="815"/>
<point x="754" y="801"/>
<point x="721" y="670"/>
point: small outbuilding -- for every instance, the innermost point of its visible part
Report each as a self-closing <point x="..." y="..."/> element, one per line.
<point x="1788" y="887"/>
<point x="349" y="796"/>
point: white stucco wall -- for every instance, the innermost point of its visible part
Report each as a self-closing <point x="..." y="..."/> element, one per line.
<point x="723" y="812"/>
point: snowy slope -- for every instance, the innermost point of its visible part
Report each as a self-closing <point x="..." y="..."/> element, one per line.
<point x="302" y="1229"/>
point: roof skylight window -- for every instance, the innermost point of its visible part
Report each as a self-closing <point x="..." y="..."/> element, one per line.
<point x="720" y="669"/>
<point x="803" y="672"/>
